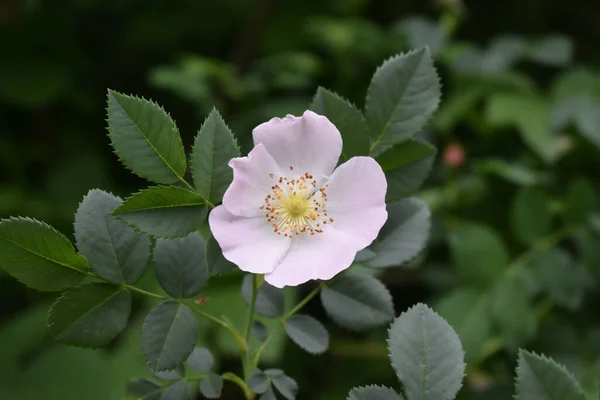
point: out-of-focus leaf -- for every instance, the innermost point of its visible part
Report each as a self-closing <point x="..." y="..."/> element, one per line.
<point x="584" y="112"/>
<point x="579" y="202"/>
<point x="270" y="300"/>
<point x="216" y="263"/>
<point x="554" y="50"/>
<point x="574" y="82"/>
<point x="530" y="215"/>
<point x="422" y="32"/>
<point x="515" y="173"/>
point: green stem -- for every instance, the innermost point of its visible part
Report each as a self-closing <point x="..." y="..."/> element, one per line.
<point x="144" y="292"/>
<point x="208" y="203"/>
<point x="230" y="376"/>
<point x="186" y="184"/>
<point x="238" y="338"/>
<point x="249" y="320"/>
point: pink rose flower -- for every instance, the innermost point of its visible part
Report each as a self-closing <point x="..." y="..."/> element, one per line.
<point x="289" y="213"/>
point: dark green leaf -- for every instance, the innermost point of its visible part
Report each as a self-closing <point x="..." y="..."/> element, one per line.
<point x="268" y="395"/>
<point x="214" y="147"/>
<point x="177" y="391"/>
<point x="145" y="138"/>
<point x="285" y="385"/>
<point x="358" y="302"/>
<point x="559" y="277"/>
<point x="171" y="374"/>
<point x="274" y="372"/>
<point x="258" y="382"/>
<point x="478" y="253"/>
<point x="374" y="393"/>
<point x="347" y="118"/>
<point x="540" y="378"/>
<point x="114" y="250"/>
<point x="307" y="333"/>
<point x="270" y="300"/>
<point x="426" y="354"/>
<point x="201" y="359"/>
<point x="403" y="236"/>
<point x="554" y="50"/>
<point x="180" y="265"/>
<point x="406" y="165"/>
<point x="38" y="255"/>
<point x="168" y="335"/>
<point x="143" y="389"/>
<point x="579" y="202"/>
<point x="90" y="315"/>
<point x="403" y="94"/>
<point x="216" y="263"/>
<point x="259" y="330"/>
<point x="211" y="386"/>
<point x="530" y="215"/>
<point x="163" y="211"/>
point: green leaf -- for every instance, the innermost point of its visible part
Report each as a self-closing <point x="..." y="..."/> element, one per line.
<point x="308" y="333"/>
<point x="374" y="393"/>
<point x="201" y="360"/>
<point x="177" y="391"/>
<point x="270" y="300"/>
<point x="144" y="389"/>
<point x="540" y="378"/>
<point x="114" y="250"/>
<point x="518" y="174"/>
<point x="211" y="386"/>
<point x="406" y="165"/>
<point x="512" y="312"/>
<point x="216" y="263"/>
<point x="467" y="310"/>
<point x="268" y="395"/>
<point x="347" y="118"/>
<point x="579" y="202"/>
<point x="163" y="211"/>
<point x="171" y="374"/>
<point x="285" y="385"/>
<point x="553" y="50"/>
<point x="561" y="280"/>
<point x="531" y="216"/>
<point x="259" y="331"/>
<point x="404" y="235"/>
<point x="478" y="253"/>
<point x="180" y="265"/>
<point x="426" y="354"/>
<point x="574" y="82"/>
<point x="90" y="315"/>
<point x="168" y="335"/>
<point x="258" y="382"/>
<point x="145" y="138"/>
<point x="38" y="255"/>
<point x="358" y="302"/>
<point x="214" y="147"/>
<point x="403" y="94"/>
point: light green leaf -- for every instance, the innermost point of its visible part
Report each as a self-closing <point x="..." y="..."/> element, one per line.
<point x="145" y="138"/>
<point x="512" y="312"/>
<point x="347" y="118"/>
<point x="90" y="315"/>
<point x="214" y="147"/>
<point x="478" y="253"/>
<point x="270" y="300"/>
<point x="307" y="333"/>
<point x="180" y="265"/>
<point x="38" y="255"/>
<point x="530" y="215"/>
<point x="553" y="50"/>
<point x="531" y="116"/>
<point x="404" y="235"/>
<point x="406" y="165"/>
<point x="144" y="389"/>
<point x="114" y="250"/>
<point x="285" y="385"/>
<point x="579" y="202"/>
<point x="559" y="277"/>
<point x="216" y="263"/>
<point x="201" y="359"/>
<point x="374" y="393"/>
<point x="403" y="94"/>
<point x="467" y="310"/>
<point x="163" y="211"/>
<point x="540" y="378"/>
<point x="583" y="111"/>
<point x="211" y="386"/>
<point x="421" y="32"/>
<point x="456" y="105"/>
<point x="177" y="391"/>
<point x="574" y="82"/>
<point x="168" y="335"/>
<point x="426" y="354"/>
<point x="358" y="302"/>
<point x="518" y="174"/>
<point x="258" y="382"/>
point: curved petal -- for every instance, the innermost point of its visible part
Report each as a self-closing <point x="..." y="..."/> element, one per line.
<point x="310" y="143"/>
<point x="252" y="181"/>
<point x="249" y="243"/>
<point x="321" y="256"/>
<point x="356" y="199"/>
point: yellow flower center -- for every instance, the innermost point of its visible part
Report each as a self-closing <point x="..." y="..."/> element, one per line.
<point x="295" y="206"/>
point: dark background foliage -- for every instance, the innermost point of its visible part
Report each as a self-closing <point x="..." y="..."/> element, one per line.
<point x="264" y="58"/>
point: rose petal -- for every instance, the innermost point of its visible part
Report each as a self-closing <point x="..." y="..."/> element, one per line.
<point x="310" y="143"/>
<point x="251" y="182"/>
<point x="356" y="199"/>
<point x="321" y="256"/>
<point x="250" y="243"/>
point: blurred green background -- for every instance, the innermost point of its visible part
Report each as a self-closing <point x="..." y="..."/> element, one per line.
<point x="514" y="184"/>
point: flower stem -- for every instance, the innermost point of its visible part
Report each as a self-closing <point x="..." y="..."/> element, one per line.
<point x="230" y="376"/>
<point x="249" y="320"/>
<point x="236" y="335"/>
